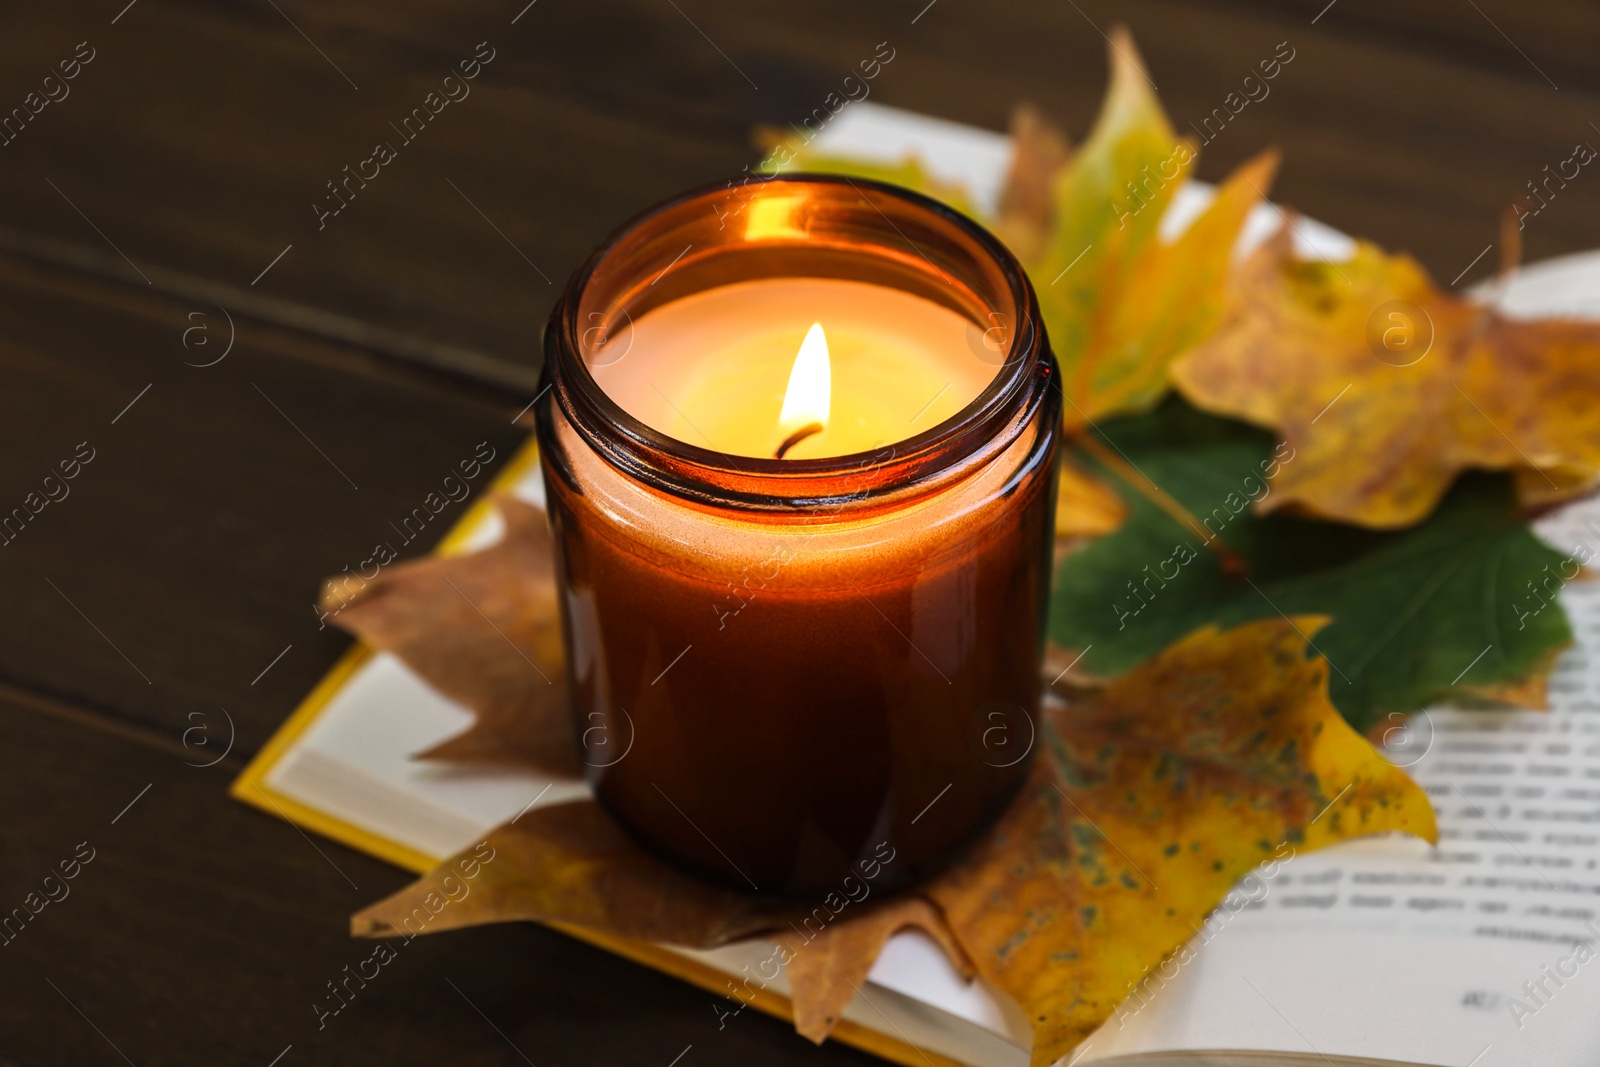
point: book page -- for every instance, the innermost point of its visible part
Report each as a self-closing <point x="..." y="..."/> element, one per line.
<point x="1484" y="950"/>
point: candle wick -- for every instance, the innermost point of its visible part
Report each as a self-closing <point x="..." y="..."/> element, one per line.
<point x="799" y="435"/>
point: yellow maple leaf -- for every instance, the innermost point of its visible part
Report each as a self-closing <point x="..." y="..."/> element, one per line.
<point x="1154" y="796"/>
<point x="1119" y="301"/>
<point x="1387" y="388"/>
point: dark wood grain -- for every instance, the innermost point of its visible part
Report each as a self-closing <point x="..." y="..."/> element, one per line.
<point x="202" y="933"/>
<point x="188" y="553"/>
<point x="200" y="136"/>
<point x="382" y="347"/>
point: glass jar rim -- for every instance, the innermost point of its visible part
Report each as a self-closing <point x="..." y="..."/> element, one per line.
<point x="1022" y="382"/>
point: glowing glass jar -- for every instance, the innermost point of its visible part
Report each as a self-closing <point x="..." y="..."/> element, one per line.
<point x="799" y="443"/>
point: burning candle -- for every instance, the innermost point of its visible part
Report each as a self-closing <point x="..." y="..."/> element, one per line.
<point x="799" y="448"/>
<point x="742" y="368"/>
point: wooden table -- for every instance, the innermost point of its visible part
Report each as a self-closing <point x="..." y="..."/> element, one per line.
<point x="169" y="594"/>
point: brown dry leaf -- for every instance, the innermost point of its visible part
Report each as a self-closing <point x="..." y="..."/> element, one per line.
<point x="569" y="863"/>
<point x="482" y="629"/>
<point x="1039" y="150"/>
<point x="1407" y="385"/>
<point x="826" y="972"/>
<point x="1151" y="798"/>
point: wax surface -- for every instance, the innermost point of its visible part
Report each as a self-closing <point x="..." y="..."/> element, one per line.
<point x="711" y="369"/>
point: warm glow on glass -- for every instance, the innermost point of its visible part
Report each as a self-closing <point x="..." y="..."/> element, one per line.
<point x="770" y="218"/>
<point x="810" y="385"/>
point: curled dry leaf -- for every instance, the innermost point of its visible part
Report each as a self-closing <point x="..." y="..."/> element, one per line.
<point x="1406" y="385"/>
<point x="1150" y="799"/>
<point x="482" y="629"/>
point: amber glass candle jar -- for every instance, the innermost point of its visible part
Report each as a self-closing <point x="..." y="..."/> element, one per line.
<point x="788" y="671"/>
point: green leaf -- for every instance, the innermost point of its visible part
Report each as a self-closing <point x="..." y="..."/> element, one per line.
<point x="1416" y="612"/>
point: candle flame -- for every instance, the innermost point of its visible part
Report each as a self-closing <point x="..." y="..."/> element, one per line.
<point x="810" y="391"/>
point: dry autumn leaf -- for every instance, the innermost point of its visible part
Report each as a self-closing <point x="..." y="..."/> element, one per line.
<point x="483" y="630"/>
<point x="1407" y="386"/>
<point x="1147" y="801"/>
<point x="1119" y="301"/>
<point x="825" y="975"/>
<point x="1150" y="800"/>
<point x="571" y="863"/>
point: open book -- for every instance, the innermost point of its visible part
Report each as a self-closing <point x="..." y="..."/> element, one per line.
<point x="1478" y="952"/>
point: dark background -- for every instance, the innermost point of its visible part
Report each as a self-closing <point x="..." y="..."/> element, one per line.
<point x="186" y="158"/>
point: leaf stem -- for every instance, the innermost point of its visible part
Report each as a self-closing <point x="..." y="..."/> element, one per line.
<point x="1233" y="564"/>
